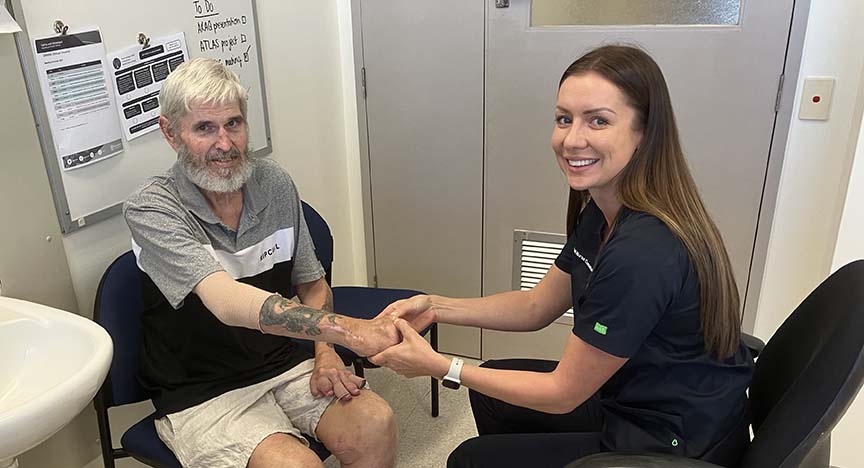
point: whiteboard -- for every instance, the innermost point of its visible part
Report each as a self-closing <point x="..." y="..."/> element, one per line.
<point x="225" y="30"/>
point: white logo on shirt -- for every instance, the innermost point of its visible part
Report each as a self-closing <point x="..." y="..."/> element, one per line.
<point x="585" y="260"/>
<point x="275" y="248"/>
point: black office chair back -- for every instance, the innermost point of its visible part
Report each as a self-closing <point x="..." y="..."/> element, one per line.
<point x="808" y="375"/>
<point x="118" y="309"/>
<point x="321" y="238"/>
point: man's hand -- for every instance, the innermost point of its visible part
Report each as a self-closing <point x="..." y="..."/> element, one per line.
<point x="412" y="357"/>
<point x="331" y="378"/>
<point x="417" y="311"/>
<point x="370" y="337"/>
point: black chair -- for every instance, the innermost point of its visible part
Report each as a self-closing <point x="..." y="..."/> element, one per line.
<point x="118" y="310"/>
<point x="359" y="302"/>
<point x="806" y="377"/>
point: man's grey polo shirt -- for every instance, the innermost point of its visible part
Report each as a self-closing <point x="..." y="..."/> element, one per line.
<point x="178" y="240"/>
<point x="188" y="356"/>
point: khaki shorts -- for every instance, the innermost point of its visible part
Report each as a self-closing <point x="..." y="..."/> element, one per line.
<point x="224" y="431"/>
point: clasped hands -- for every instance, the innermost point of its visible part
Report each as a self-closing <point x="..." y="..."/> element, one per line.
<point x="391" y="340"/>
<point x="412" y="356"/>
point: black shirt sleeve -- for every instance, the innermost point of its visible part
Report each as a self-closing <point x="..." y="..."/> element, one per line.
<point x="564" y="262"/>
<point x="638" y="274"/>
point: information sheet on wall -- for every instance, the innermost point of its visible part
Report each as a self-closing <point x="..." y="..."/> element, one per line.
<point x="138" y="76"/>
<point x="73" y="77"/>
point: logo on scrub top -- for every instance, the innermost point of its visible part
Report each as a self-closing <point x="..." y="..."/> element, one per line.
<point x="584" y="260"/>
<point x="600" y="328"/>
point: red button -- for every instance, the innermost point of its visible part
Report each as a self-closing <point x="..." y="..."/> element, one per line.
<point x="816" y="99"/>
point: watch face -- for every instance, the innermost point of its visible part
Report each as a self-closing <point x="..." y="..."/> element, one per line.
<point x="450" y="384"/>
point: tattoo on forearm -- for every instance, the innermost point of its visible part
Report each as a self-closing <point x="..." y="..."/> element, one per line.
<point x="293" y="317"/>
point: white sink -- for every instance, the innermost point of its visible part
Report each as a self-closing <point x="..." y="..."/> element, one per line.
<point x="52" y="363"/>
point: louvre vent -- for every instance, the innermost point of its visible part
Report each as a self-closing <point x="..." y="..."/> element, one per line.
<point x="533" y="254"/>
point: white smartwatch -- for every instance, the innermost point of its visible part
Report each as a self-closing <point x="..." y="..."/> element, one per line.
<point x="452" y="379"/>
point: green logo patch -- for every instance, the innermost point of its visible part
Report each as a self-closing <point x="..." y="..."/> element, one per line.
<point x="600" y="328"/>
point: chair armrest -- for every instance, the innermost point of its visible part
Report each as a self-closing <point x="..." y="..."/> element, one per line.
<point x="647" y="460"/>
<point x="754" y="344"/>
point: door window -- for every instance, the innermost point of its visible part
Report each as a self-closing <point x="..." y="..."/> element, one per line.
<point x="634" y="12"/>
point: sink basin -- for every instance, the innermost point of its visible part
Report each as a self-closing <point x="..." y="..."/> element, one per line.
<point x="52" y="363"/>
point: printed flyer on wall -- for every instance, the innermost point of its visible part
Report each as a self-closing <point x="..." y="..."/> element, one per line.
<point x="138" y="74"/>
<point x="75" y="90"/>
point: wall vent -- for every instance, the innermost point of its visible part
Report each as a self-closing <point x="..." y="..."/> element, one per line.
<point x="533" y="254"/>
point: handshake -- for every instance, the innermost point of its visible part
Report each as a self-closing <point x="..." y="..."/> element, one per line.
<point x="392" y="339"/>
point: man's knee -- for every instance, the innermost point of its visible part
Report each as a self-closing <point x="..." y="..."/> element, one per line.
<point x="283" y="451"/>
<point x="375" y="429"/>
<point x="378" y="421"/>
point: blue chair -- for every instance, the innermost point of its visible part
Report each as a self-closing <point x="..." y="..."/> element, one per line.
<point x="118" y="310"/>
<point x="359" y="302"/>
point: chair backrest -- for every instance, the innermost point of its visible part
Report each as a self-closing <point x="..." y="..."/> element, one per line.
<point x="809" y="373"/>
<point x="118" y="310"/>
<point x="321" y="238"/>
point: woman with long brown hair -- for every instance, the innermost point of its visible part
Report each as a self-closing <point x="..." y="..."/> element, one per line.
<point x="655" y="361"/>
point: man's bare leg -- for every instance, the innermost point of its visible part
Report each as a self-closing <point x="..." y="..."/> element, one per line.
<point x="283" y="451"/>
<point x="361" y="432"/>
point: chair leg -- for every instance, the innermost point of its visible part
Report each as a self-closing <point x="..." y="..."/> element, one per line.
<point x="434" y="397"/>
<point x="433" y="338"/>
<point x="105" y="443"/>
<point x="358" y="368"/>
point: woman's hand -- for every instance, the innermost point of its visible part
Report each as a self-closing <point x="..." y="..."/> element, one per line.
<point x="417" y="311"/>
<point x="413" y="357"/>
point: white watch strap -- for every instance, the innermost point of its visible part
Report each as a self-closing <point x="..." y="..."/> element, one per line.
<point x="455" y="371"/>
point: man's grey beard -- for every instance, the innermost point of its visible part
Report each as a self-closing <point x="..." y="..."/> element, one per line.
<point x="229" y="180"/>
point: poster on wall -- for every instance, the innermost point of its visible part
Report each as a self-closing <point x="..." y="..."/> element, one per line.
<point x="138" y="74"/>
<point x="73" y="78"/>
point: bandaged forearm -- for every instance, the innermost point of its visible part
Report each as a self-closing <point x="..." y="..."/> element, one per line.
<point x="233" y="303"/>
<point x="242" y="310"/>
<point x="241" y="305"/>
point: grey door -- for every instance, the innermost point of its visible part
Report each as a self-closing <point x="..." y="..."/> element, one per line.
<point x="722" y="60"/>
<point x="424" y="115"/>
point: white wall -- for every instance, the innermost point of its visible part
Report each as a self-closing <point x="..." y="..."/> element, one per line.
<point x="303" y="71"/>
<point x="850" y="246"/>
<point x="850" y="238"/>
<point x="813" y="187"/>
<point x="352" y="139"/>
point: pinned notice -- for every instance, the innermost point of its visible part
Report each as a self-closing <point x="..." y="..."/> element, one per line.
<point x="138" y="75"/>
<point x="73" y="77"/>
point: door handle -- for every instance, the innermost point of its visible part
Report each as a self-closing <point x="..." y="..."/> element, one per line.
<point x="502" y="3"/>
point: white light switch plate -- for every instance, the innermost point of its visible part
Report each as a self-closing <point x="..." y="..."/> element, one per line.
<point x="816" y="98"/>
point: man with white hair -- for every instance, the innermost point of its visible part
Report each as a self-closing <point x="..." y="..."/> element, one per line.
<point x="222" y="245"/>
